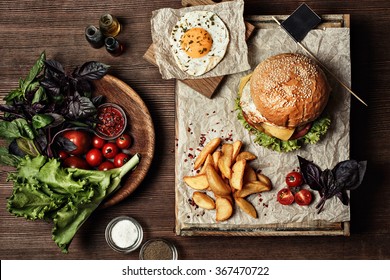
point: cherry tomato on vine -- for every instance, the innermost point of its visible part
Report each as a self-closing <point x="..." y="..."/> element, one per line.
<point x="303" y="197"/>
<point x="123" y="141"/>
<point x="285" y="196"/>
<point x="294" y="179"/>
<point x="110" y="150"/>
<point x="107" y="165"/>
<point x="120" y="159"/>
<point x="98" y="142"/>
<point x="94" y="157"/>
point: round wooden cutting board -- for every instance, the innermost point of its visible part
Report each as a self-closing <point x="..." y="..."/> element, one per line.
<point x="139" y="126"/>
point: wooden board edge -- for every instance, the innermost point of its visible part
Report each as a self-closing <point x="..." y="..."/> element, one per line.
<point x="343" y="230"/>
<point x="338" y="20"/>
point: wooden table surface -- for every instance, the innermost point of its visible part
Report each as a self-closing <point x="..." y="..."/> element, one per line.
<point x="28" y="27"/>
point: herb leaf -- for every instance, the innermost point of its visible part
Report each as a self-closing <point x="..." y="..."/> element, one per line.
<point x="92" y="70"/>
<point x="311" y="173"/>
<point x="346" y="175"/>
<point x="350" y="173"/>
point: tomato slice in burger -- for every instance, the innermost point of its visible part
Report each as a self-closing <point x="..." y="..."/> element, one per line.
<point x="303" y="197"/>
<point x="285" y="196"/>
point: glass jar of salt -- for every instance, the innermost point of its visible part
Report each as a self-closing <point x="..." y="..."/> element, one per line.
<point x="124" y="234"/>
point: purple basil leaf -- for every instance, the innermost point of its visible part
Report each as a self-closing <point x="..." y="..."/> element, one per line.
<point x="51" y="85"/>
<point x="311" y="173"/>
<point x="58" y="120"/>
<point x="328" y="183"/>
<point x="92" y="70"/>
<point x="54" y="67"/>
<point x="83" y="86"/>
<point x="14" y="149"/>
<point x="65" y="144"/>
<point x="343" y="196"/>
<point x="349" y="173"/>
<point x="41" y="140"/>
<point x="97" y="100"/>
<point x="80" y="107"/>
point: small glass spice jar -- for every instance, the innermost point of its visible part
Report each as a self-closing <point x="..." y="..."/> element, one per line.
<point x="113" y="46"/>
<point x="94" y="37"/>
<point x="109" y="25"/>
<point x="124" y="234"/>
<point x="158" y="249"/>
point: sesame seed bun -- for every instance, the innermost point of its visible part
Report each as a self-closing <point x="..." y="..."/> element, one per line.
<point x="289" y="90"/>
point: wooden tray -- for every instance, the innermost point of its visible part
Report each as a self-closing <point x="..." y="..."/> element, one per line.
<point x="205" y="86"/>
<point x="313" y="228"/>
<point x="140" y="127"/>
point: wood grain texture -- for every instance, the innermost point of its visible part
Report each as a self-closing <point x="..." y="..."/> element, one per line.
<point x="28" y="27"/>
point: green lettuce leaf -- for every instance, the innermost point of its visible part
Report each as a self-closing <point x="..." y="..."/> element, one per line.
<point x="67" y="196"/>
<point x="318" y="129"/>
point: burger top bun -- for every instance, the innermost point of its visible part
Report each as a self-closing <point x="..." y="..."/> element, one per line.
<point x="289" y="90"/>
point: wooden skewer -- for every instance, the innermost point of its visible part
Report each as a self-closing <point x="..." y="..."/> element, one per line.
<point x="324" y="67"/>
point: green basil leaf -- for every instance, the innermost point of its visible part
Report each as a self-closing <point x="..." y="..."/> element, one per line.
<point x="41" y="120"/>
<point x="25" y="129"/>
<point x="15" y="94"/>
<point x="40" y="95"/>
<point x="27" y="146"/>
<point x="34" y="71"/>
<point x="9" y="130"/>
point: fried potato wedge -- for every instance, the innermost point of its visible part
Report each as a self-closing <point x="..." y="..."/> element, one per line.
<point x="197" y="182"/>
<point x="246" y="155"/>
<point x="216" y="156"/>
<point x="238" y="171"/>
<point x="208" y="149"/>
<point x="216" y="183"/>
<point x="203" y="200"/>
<point x="246" y="206"/>
<point x="209" y="160"/>
<point x="224" y="208"/>
<point x="251" y="188"/>
<point x="264" y="179"/>
<point x="225" y="161"/>
<point x="236" y="149"/>
<point x="249" y="174"/>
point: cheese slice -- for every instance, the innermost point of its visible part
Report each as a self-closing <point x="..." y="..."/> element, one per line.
<point x="283" y="133"/>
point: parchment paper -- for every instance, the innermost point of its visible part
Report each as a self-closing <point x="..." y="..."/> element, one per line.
<point x="231" y="13"/>
<point x="199" y="116"/>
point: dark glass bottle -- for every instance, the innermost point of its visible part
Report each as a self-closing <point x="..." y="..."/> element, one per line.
<point x="94" y="36"/>
<point x="113" y="46"/>
<point x="109" y="25"/>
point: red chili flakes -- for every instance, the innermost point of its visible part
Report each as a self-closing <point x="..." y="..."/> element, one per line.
<point x="191" y="156"/>
<point x="185" y="160"/>
<point x="202" y="139"/>
<point x="192" y="203"/>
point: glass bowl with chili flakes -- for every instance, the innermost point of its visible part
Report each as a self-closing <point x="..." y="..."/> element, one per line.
<point x="112" y="121"/>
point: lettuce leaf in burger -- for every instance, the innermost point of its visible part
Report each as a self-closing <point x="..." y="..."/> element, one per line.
<point x="282" y="101"/>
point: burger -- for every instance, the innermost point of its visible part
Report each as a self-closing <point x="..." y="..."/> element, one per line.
<point x="282" y="102"/>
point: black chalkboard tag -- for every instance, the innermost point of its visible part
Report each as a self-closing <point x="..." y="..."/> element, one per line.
<point x="300" y="22"/>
